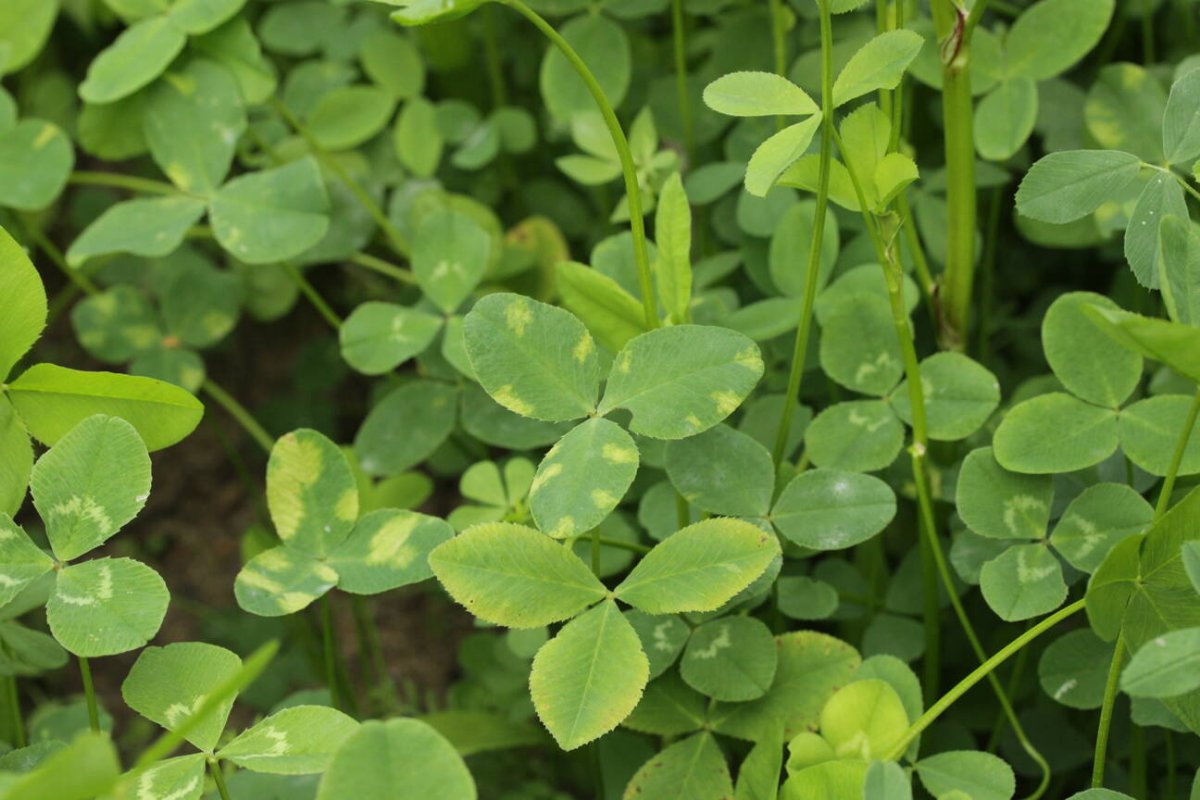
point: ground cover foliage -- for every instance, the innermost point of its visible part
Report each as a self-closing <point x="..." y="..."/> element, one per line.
<point x="772" y="399"/>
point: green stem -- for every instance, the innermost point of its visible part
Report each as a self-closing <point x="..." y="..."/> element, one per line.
<point x="218" y="778"/>
<point x="77" y="278"/>
<point x="89" y="691"/>
<point x="495" y="67"/>
<point x="116" y="180"/>
<point x="1149" y="55"/>
<point x="314" y="297"/>
<point x="330" y="647"/>
<point x="637" y="222"/>
<point x="979" y="673"/>
<point x="630" y="546"/>
<point x="988" y="276"/>
<point x="239" y="414"/>
<point x="1106" y="711"/>
<point x="679" y="34"/>
<point x="779" y="45"/>
<point x="325" y="157"/>
<point x="596" y="551"/>
<point x="398" y="274"/>
<point x="368" y="631"/>
<point x="800" y="348"/>
<point x="1189" y="424"/>
<point x="14" y="708"/>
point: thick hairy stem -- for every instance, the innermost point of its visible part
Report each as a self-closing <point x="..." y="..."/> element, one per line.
<point x="633" y="192"/>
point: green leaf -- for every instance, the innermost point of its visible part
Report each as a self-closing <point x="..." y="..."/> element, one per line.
<point x="757" y="94"/>
<point x="400" y="759"/>
<point x="878" y="64"/>
<point x="139" y="55"/>
<point x="887" y="780"/>
<point x="1191" y="563"/>
<point x="93" y="481"/>
<point x="669" y="707"/>
<point x="1000" y="504"/>
<point x="1181" y="121"/>
<point x="864" y="720"/>
<point x="589" y="677"/>
<point x="512" y="575"/>
<point x="192" y="120"/>
<point x="348" y="116"/>
<point x="116" y="325"/>
<point x="167" y="684"/>
<point x="282" y="581"/>
<point x="722" y="471"/>
<point x="1067" y="185"/>
<point x="859" y="349"/>
<point x="149" y="228"/>
<point x="778" y="153"/>
<point x="1124" y="110"/>
<point x="1150" y="431"/>
<point x="301" y="740"/>
<point x="1074" y="669"/>
<point x="1162" y="197"/>
<point x="1179" y="268"/>
<point x="842" y="779"/>
<point x="1089" y="364"/>
<point x="534" y="359"/>
<point x="825" y="509"/>
<point x="789" y="253"/>
<point x="758" y="775"/>
<point x="423" y="12"/>
<point x="394" y="63"/>
<point x="693" y="769"/>
<point x="450" y="254"/>
<point x="25" y="303"/>
<point x="36" y="158"/>
<point x="80" y="770"/>
<point x="1040" y="46"/>
<point x="181" y="777"/>
<point x="1005" y="118"/>
<point x="417" y="140"/>
<point x="1096" y="520"/>
<point x="583" y="478"/>
<point x="865" y="140"/>
<point x="106" y="606"/>
<point x="311" y="492"/>
<point x="611" y="314"/>
<point x="1024" y="581"/>
<point x="960" y="396"/>
<point x="25" y="26"/>
<point x="855" y="436"/>
<point x="699" y="568"/>
<point x="1166" y="666"/>
<point x="473" y="732"/>
<point x="406" y="427"/>
<point x="682" y="380"/>
<point x="16" y="460"/>
<point x="272" y="215"/>
<point x="21" y="561"/>
<point x="235" y="47"/>
<point x="1053" y="433"/>
<point x="604" y="47"/>
<point x="673" y="235"/>
<point x="387" y="549"/>
<point x="982" y="776"/>
<point x="1175" y="345"/>
<point x="1111" y="587"/>
<point x="812" y="666"/>
<point x="663" y="638"/>
<point x="731" y="659"/>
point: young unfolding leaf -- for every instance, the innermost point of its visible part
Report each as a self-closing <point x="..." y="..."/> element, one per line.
<point x="1024" y="581"/>
<point x="583" y="478"/>
<point x="1053" y="433"/>
<point x="757" y="94"/>
<point x="534" y="359"/>
<point x="282" y="581"/>
<point x="515" y="576"/>
<point x="400" y="759"/>
<point x="300" y="740"/>
<point x="1096" y="520"/>
<point x="827" y="509"/>
<point x="722" y="471"/>
<point x="682" y="380"/>
<point x="589" y="677"/>
<point x="106" y="606"/>
<point x="699" y="568"/>
<point x="1001" y="504"/>
<point x="611" y="314"/>
<point x="387" y="549"/>
<point x="863" y="720"/>
<point x="90" y="484"/>
<point x="731" y="658"/>
<point x="1166" y="666"/>
<point x="981" y="776"/>
<point x="673" y="235"/>
<point x="1064" y="186"/>
<point x="272" y="215"/>
<point x="840" y="779"/>
<point x="450" y="254"/>
<point x="855" y="436"/>
<point x="311" y="492"/>
<point x="778" y="153"/>
<point x="167" y="684"/>
<point x="878" y="64"/>
<point x="693" y="769"/>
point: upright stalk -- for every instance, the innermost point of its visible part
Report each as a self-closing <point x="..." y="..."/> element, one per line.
<point x="239" y="413"/>
<point x="219" y="779"/>
<point x="16" y="721"/>
<point x="954" y="29"/>
<point x="633" y="192"/>
<point x="800" y="350"/>
<point x="679" y="37"/>
<point x="330" y="647"/>
<point x="1118" y="657"/>
<point x="89" y="691"/>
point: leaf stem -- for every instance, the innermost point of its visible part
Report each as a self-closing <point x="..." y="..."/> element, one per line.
<point x="800" y="349"/>
<point x="313" y="296"/>
<point x="14" y="708"/>
<point x="78" y="278"/>
<point x="330" y="647"/>
<point x="89" y="691"/>
<point x="218" y="777"/>
<point x="1185" y="435"/>
<point x="491" y="50"/>
<point x="368" y="203"/>
<point x="979" y="673"/>
<point x="678" y="35"/>
<point x="1106" y="711"/>
<point x="632" y="547"/>
<point x="633" y="192"/>
<point x="239" y="414"/>
<point x="117" y="180"/>
<point x="398" y="274"/>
